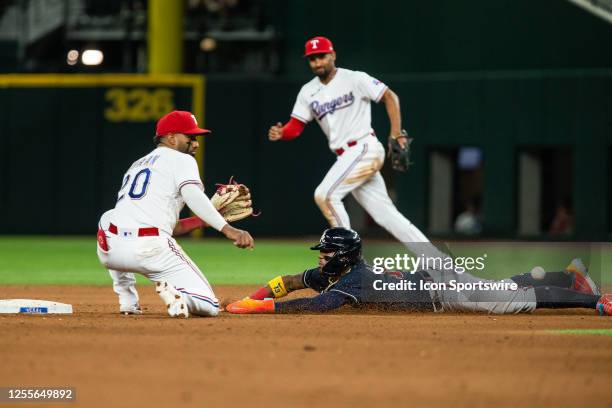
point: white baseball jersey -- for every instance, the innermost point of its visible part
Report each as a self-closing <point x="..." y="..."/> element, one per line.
<point x="342" y="107"/>
<point x="150" y="195"/>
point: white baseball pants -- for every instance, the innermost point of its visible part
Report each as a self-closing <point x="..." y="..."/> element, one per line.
<point x="356" y="171"/>
<point x="159" y="258"/>
<point x="522" y="300"/>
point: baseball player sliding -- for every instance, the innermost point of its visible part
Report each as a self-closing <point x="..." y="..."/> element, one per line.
<point x="339" y="100"/>
<point x="136" y="236"/>
<point x="343" y="278"/>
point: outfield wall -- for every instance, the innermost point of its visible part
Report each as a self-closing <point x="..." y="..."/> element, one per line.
<point x="67" y="144"/>
<point x="68" y="139"/>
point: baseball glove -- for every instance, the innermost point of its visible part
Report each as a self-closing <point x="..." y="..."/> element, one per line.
<point x="233" y="201"/>
<point x="400" y="156"/>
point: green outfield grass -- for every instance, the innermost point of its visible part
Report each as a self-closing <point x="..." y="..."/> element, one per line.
<point x="73" y="260"/>
<point x="582" y="332"/>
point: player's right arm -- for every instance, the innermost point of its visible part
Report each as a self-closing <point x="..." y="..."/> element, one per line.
<point x="260" y="302"/>
<point x="321" y="303"/>
<point x="288" y="131"/>
<point x="300" y="116"/>
<point x="280" y="286"/>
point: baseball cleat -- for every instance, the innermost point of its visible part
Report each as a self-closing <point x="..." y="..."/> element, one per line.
<point x="604" y="305"/>
<point x="582" y="281"/>
<point x="173" y="300"/>
<point x="130" y="310"/>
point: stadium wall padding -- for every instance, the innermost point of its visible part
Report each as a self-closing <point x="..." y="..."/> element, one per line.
<point x="62" y="161"/>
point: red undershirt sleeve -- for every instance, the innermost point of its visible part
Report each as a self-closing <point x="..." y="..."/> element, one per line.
<point x="292" y="129"/>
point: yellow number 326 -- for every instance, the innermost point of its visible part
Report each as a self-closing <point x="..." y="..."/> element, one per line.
<point x="137" y="104"/>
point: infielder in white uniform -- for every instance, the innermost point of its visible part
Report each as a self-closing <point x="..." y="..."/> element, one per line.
<point x="136" y="236"/>
<point x="339" y="100"/>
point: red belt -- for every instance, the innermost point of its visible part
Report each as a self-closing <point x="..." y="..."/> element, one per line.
<point x="142" y="232"/>
<point x="341" y="150"/>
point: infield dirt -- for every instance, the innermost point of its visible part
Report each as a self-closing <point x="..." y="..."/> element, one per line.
<point x="341" y="359"/>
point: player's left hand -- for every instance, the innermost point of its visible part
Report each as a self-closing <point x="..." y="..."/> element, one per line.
<point x="399" y="151"/>
<point x="251" y="306"/>
<point x="402" y="140"/>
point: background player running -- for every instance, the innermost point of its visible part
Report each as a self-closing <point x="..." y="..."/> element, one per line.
<point x="340" y="101"/>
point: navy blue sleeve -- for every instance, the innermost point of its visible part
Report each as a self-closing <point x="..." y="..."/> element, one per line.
<point x="314" y="280"/>
<point x="321" y="303"/>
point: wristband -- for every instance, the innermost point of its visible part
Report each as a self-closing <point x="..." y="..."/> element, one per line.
<point x="278" y="287"/>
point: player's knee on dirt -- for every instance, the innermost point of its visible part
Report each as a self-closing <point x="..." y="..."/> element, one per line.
<point x="199" y="307"/>
<point x="204" y="310"/>
<point x="208" y="312"/>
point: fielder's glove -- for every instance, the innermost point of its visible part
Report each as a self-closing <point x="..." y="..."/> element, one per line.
<point x="400" y="156"/>
<point x="233" y="201"/>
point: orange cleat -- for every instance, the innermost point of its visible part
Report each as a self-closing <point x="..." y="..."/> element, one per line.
<point x="604" y="306"/>
<point x="582" y="281"/>
<point x="251" y="306"/>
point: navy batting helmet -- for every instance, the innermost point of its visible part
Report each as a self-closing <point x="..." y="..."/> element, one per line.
<point x="346" y="244"/>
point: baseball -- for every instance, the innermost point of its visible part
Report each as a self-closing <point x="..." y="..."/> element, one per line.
<point x="538" y="273"/>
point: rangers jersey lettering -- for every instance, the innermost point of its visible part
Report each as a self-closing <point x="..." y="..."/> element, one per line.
<point x="342" y="107"/>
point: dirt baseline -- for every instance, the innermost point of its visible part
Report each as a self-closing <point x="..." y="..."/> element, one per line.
<point x="344" y="359"/>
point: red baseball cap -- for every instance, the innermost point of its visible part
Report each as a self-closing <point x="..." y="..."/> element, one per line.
<point x="179" y="122"/>
<point x="318" y="45"/>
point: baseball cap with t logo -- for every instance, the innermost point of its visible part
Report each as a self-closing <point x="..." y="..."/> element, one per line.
<point x="318" y="45"/>
<point x="179" y="122"/>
